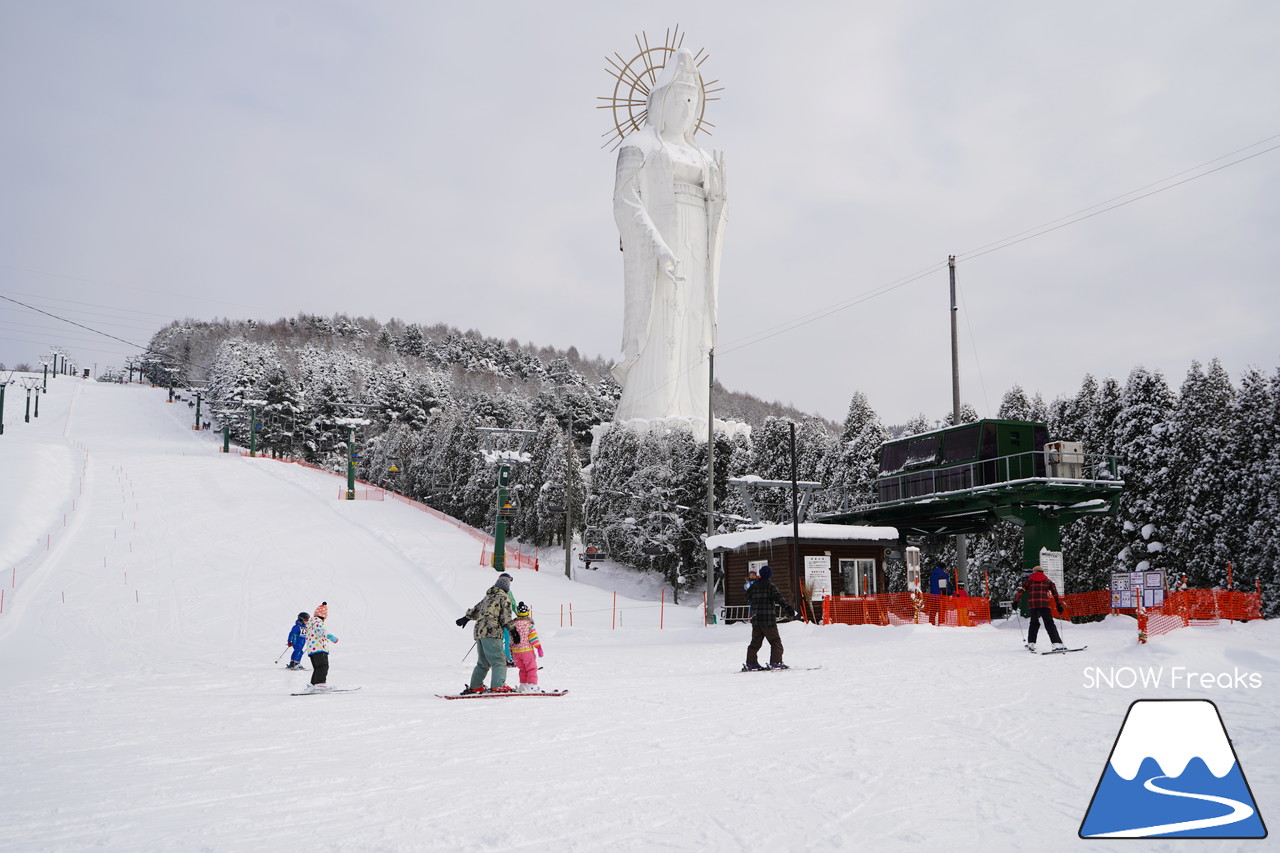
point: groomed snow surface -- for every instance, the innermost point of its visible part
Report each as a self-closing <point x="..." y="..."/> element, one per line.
<point x="150" y="582"/>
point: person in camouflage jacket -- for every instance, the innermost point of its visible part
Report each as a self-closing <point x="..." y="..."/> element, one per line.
<point x="492" y="615"/>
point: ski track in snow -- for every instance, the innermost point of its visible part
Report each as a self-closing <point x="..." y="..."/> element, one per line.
<point x="146" y="714"/>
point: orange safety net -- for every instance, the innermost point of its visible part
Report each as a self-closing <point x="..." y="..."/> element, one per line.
<point x="373" y="493"/>
<point x="514" y="559"/>
<point x="1093" y="603"/>
<point x="905" y="608"/>
<point x="1197" y="608"/>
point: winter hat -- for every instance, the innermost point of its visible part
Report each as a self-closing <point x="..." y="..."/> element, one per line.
<point x="766" y="572"/>
<point x="503" y="582"/>
<point x="322" y="612"/>
<point x="303" y="617"/>
<point x="522" y="609"/>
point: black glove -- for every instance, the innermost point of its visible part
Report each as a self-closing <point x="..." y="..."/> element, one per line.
<point x="461" y="623"/>
<point x="515" y="636"/>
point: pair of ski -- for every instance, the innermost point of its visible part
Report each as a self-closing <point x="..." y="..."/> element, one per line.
<point x="323" y="692"/>
<point x="1059" y="651"/>
<point x="491" y="695"/>
<point x="745" y="668"/>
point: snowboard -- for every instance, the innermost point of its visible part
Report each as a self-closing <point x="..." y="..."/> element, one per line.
<point x="323" y="692"/>
<point x="488" y="695"/>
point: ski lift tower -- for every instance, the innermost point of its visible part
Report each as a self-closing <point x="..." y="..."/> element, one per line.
<point x="253" y="405"/>
<point x="199" y="391"/>
<point x="505" y="457"/>
<point x="351" y="424"/>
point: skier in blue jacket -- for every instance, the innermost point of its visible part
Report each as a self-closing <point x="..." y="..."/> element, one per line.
<point x="298" y="641"/>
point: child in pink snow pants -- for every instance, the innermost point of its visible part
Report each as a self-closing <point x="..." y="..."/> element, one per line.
<point x="523" y="652"/>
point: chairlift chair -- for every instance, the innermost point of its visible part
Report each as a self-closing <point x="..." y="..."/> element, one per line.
<point x="596" y="547"/>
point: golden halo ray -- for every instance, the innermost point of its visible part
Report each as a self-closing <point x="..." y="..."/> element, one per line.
<point x="634" y="78"/>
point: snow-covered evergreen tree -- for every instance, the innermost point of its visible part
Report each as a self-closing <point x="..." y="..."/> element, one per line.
<point x="1203" y="476"/>
<point x="1256" y="513"/>
<point x="1143" y="447"/>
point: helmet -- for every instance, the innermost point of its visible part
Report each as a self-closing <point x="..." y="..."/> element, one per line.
<point x="304" y="616"/>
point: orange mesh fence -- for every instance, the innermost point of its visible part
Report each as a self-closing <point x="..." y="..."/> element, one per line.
<point x="1094" y="603"/>
<point x="1181" y="608"/>
<point x="905" y="608"/>
<point x="373" y="493"/>
<point x="514" y="559"/>
<point x="1198" y="608"/>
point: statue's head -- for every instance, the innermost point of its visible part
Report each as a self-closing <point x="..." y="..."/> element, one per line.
<point x="676" y="100"/>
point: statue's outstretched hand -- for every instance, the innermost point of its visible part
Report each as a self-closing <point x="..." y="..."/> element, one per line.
<point x="669" y="264"/>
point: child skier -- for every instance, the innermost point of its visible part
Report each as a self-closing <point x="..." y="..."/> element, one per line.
<point x="522" y="650"/>
<point x="318" y="640"/>
<point x="297" y="641"/>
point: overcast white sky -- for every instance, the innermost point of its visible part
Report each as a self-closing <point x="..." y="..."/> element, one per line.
<point x="442" y="163"/>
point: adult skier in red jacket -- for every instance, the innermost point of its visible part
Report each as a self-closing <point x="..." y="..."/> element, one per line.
<point x="1039" y="590"/>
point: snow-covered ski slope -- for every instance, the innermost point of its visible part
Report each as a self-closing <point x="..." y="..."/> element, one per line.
<point x="141" y="711"/>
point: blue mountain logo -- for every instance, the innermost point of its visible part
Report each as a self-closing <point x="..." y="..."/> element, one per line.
<point x="1173" y="773"/>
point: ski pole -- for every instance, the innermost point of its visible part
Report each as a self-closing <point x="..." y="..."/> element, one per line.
<point x="286" y="648"/>
<point x="468" y="651"/>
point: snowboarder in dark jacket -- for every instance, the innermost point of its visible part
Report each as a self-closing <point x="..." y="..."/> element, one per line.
<point x="298" y="641"/>
<point x="1039" y="589"/>
<point x="762" y="598"/>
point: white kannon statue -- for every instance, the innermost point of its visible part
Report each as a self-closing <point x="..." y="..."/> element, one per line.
<point x="669" y="202"/>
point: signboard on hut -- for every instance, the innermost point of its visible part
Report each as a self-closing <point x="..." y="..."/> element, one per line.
<point x="817" y="576"/>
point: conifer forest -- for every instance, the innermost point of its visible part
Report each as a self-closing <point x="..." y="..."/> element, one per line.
<point x="1200" y="457"/>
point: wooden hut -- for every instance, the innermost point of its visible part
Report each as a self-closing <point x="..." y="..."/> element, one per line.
<point x="852" y="557"/>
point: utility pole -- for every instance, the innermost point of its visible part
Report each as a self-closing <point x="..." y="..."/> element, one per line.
<point x="711" y="487"/>
<point x="795" y="528"/>
<point x="962" y="542"/>
<point x="568" y="498"/>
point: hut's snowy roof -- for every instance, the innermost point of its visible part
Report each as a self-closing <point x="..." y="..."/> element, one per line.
<point x="770" y="532"/>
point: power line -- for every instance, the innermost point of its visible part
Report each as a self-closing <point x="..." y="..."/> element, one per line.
<point x="1004" y="243"/>
<point x="72" y="322"/>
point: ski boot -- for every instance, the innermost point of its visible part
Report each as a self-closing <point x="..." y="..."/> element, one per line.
<point x="1031" y="647"/>
<point x="778" y="665"/>
<point x="471" y="690"/>
<point x="751" y="667"/>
